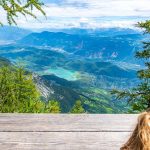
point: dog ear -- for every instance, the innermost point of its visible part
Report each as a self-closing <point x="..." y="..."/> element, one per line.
<point x="145" y="137"/>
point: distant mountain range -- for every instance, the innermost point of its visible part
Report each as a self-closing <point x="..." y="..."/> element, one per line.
<point x="96" y="32"/>
<point x="8" y="33"/>
<point x="44" y="58"/>
<point x="118" y="47"/>
<point x="77" y="63"/>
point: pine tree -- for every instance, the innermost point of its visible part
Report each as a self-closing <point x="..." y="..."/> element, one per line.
<point x="14" y="8"/>
<point x="18" y="93"/>
<point x="77" y="108"/>
<point x="139" y="97"/>
<point x="7" y="97"/>
<point x="25" y="90"/>
<point x="52" y="107"/>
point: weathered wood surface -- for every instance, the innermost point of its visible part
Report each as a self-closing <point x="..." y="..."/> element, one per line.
<point x="64" y="132"/>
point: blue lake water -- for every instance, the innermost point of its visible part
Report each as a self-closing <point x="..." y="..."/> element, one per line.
<point x="63" y="73"/>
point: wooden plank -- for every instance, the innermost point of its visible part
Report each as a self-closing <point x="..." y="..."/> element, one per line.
<point x="67" y="123"/>
<point x="62" y="140"/>
<point x="64" y="132"/>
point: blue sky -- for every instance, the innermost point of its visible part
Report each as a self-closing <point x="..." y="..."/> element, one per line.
<point x="88" y="14"/>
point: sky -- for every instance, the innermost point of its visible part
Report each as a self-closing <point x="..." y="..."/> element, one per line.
<point x="87" y="14"/>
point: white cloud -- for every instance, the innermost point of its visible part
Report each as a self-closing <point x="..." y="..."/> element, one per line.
<point x="88" y="14"/>
<point x="93" y="23"/>
<point x="97" y="8"/>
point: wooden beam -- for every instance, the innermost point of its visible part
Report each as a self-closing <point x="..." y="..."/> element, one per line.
<point x="64" y="122"/>
<point x="62" y="140"/>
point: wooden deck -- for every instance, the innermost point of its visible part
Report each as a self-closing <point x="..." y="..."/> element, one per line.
<point x="64" y="132"/>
